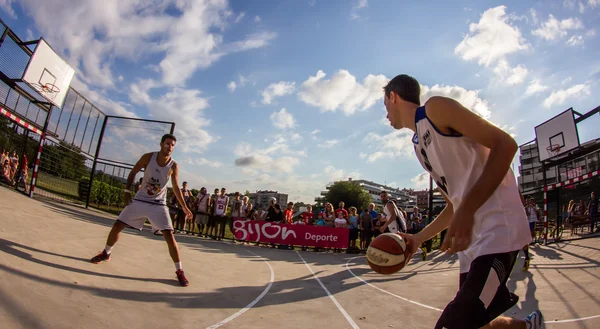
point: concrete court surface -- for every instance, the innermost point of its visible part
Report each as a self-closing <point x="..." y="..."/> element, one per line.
<point x="46" y="280"/>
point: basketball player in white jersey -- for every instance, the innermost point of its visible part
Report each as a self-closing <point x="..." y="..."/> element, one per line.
<point x="395" y="221"/>
<point x="221" y="204"/>
<point x="470" y="160"/>
<point x="150" y="202"/>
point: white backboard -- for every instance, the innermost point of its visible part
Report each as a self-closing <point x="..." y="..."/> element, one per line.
<point x="559" y="131"/>
<point x="47" y="67"/>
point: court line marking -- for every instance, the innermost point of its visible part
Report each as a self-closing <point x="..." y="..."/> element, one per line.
<point x="437" y="309"/>
<point x="252" y="303"/>
<point x="385" y="291"/>
<point x="340" y="308"/>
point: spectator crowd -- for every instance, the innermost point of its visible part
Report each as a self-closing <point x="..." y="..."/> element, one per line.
<point x="214" y="213"/>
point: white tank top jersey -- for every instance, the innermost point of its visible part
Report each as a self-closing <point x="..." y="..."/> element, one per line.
<point x="154" y="183"/>
<point x="393" y="226"/>
<point x="455" y="162"/>
<point x="203" y="202"/>
<point x="221" y="203"/>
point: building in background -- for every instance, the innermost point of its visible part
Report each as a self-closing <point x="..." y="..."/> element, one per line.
<point x="405" y="200"/>
<point x="261" y="198"/>
<point x="531" y="178"/>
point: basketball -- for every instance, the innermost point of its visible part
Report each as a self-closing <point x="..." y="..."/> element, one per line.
<point x="387" y="253"/>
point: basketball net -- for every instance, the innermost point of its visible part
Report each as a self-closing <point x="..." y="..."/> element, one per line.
<point x="553" y="150"/>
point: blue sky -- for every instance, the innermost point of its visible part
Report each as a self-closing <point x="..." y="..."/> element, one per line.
<point x="286" y="95"/>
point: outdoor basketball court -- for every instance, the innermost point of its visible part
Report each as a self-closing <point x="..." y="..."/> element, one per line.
<point x="48" y="282"/>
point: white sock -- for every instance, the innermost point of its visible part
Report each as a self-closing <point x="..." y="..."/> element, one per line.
<point x="178" y="266"/>
<point x="108" y="249"/>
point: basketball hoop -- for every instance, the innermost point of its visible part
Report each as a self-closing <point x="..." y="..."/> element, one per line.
<point x="49" y="88"/>
<point x="553" y="150"/>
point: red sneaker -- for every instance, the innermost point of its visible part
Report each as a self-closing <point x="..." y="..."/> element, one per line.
<point x="182" y="280"/>
<point x="101" y="257"/>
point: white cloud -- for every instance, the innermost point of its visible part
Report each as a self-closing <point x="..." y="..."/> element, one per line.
<point x="257" y="19"/>
<point x="511" y="75"/>
<point x="342" y="92"/>
<point x="535" y="87"/>
<point x="185" y="35"/>
<point x="569" y="3"/>
<point x="591" y="33"/>
<point x="314" y="132"/>
<point x="594" y="3"/>
<point x="282" y="119"/>
<point x="581" y="7"/>
<point x="576" y="40"/>
<point x="296" y="138"/>
<point x="103" y="102"/>
<point x="184" y="106"/>
<point x="534" y="18"/>
<point x="398" y="143"/>
<point x="202" y="162"/>
<point x="240" y="16"/>
<point x="328" y="144"/>
<point x="276" y="157"/>
<point x="6" y="5"/>
<point x="421" y="181"/>
<point x="560" y="96"/>
<point x="359" y="5"/>
<point x="468" y="98"/>
<point x="232" y="86"/>
<point x="553" y="29"/>
<point x="278" y="89"/>
<point x="334" y="174"/>
<point x="491" y="39"/>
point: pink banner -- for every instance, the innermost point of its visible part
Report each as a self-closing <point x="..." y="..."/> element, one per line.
<point x="286" y="234"/>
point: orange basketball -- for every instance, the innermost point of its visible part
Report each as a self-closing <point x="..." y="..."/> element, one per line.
<point x="387" y="253"/>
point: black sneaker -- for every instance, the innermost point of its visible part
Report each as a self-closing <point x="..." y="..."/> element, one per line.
<point x="101" y="257"/>
<point x="182" y="280"/>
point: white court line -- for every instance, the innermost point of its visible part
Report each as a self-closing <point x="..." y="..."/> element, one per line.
<point x="437" y="309"/>
<point x="252" y="303"/>
<point x="348" y="318"/>
<point x="385" y="291"/>
<point x="573" y="320"/>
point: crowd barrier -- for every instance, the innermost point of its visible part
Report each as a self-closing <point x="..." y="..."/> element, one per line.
<point x="287" y="234"/>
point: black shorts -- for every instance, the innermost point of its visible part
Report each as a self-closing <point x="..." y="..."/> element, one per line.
<point x="483" y="295"/>
<point x="365" y="234"/>
<point x="353" y="234"/>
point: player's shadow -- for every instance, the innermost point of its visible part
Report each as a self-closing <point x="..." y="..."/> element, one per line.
<point x="281" y="292"/>
<point x="548" y="253"/>
<point x="12" y="248"/>
<point x="527" y="303"/>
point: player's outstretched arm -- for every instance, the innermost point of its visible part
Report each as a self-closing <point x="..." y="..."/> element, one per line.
<point x="177" y="191"/>
<point x="450" y="114"/>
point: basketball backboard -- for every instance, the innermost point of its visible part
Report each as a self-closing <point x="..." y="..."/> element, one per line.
<point x="557" y="135"/>
<point x="49" y="74"/>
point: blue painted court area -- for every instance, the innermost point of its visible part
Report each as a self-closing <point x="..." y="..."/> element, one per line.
<point x="47" y="281"/>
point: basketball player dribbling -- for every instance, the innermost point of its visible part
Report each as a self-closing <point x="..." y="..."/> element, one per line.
<point x="150" y="202"/>
<point x="469" y="158"/>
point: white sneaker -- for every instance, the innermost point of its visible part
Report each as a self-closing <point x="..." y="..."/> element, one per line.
<point x="535" y="320"/>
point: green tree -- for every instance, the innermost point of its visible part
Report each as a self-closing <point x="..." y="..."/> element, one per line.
<point x="352" y="195"/>
<point x="195" y="192"/>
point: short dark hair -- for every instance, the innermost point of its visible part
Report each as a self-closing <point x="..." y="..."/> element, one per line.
<point x="167" y="136"/>
<point x="406" y="87"/>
